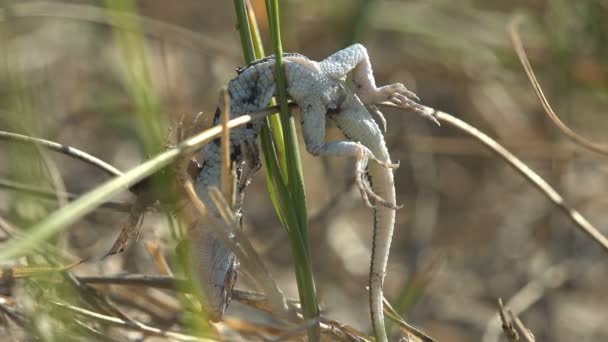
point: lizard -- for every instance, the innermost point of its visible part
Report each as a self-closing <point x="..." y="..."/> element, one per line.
<point x="322" y="90"/>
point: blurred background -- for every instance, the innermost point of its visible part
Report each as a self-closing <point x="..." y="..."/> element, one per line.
<point x="472" y="230"/>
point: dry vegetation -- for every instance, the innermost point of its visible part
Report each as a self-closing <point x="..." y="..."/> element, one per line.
<point x="473" y="230"/>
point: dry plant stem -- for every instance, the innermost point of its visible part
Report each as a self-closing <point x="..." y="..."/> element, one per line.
<point x="253" y="299"/>
<point x="336" y="330"/>
<point x="531" y="293"/>
<point x="50" y="166"/>
<point x="403" y="325"/>
<point x="155" y="251"/>
<point x="296" y="331"/>
<point x="275" y="295"/>
<point x="50" y="194"/>
<point x="577" y="218"/>
<point x="133" y="325"/>
<point x="523" y="58"/>
<point x="156" y="281"/>
<point x="507" y="327"/>
<point x="526" y="333"/>
<point x="91" y="330"/>
<point x="65" y="216"/>
<point x="67" y="150"/>
<point x="155" y="28"/>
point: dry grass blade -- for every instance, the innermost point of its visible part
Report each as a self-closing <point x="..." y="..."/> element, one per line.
<point x="156" y="252"/>
<point x="156" y="281"/>
<point x="523" y="58"/>
<point x="507" y="327"/>
<point x="300" y="329"/>
<point x="133" y="325"/>
<point x="52" y="170"/>
<point x="12" y="273"/>
<point x="528" y="295"/>
<point x="526" y="333"/>
<point x="403" y="325"/>
<point x="575" y="216"/>
<point x="333" y="329"/>
<point x="262" y="275"/>
<point x="67" y="150"/>
<point x="228" y="226"/>
<point x="51" y="194"/>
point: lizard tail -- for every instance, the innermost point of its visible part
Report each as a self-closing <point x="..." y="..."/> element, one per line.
<point x="381" y="180"/>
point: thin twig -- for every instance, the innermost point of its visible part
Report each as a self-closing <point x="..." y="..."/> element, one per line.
<point x="295" y="331"/>
<point x="576" y="217"/>
<point x="67" y="150"/>
<point x="523" y="58"/>
<point x="250" y="260"/>
<point x="526" y="333"/>
<point x="334" y="329"/>
<point x="273" y="292"/>
<point x="50" y="194"/>
<point x="531" y="293"/>
<point x="155" y="250"/>
<point x="160" y="282"/>
<point x="507" y="327"/>
<point x="134" y="325"/>
<point x="92" y="331"/>
<point x="65" y="216"/>
<point x="403" y="325"/>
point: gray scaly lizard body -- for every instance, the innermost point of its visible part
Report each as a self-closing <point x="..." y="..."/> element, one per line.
<point x="321" y="90"/>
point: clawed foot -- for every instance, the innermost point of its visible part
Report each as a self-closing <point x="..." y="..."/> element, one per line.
<point x="367" y="193"/>
<point x="363" y="184"/>
<point x="398" y="94"/>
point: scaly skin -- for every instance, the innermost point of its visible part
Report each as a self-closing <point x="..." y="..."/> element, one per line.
<point x="359" y="123"/>
<point x="320" y="89"/>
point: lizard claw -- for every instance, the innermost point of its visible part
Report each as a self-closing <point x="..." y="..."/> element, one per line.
<point x="427" y="114"/>
<point x="363" y="184"/>
<point x="405" y="102"/>
<point x="385" y="164"/>
<point x="367" y="193"/>
<point x="380" y="116"/>
<point x="398" y="90"/>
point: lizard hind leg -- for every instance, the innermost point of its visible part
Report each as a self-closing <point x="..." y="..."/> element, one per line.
<point x="362" y="181"/>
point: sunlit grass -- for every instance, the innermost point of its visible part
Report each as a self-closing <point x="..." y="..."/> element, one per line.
<point x="284" y="170"/>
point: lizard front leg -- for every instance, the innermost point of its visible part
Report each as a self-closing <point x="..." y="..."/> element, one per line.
<point x="355" y="59"/>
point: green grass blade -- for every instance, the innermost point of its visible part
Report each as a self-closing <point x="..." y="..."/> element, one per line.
<point x="283" y="167"/>
<point x="131" y="45"/>
<point x="65" y="216"/>
<point x="298" y="234"/>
